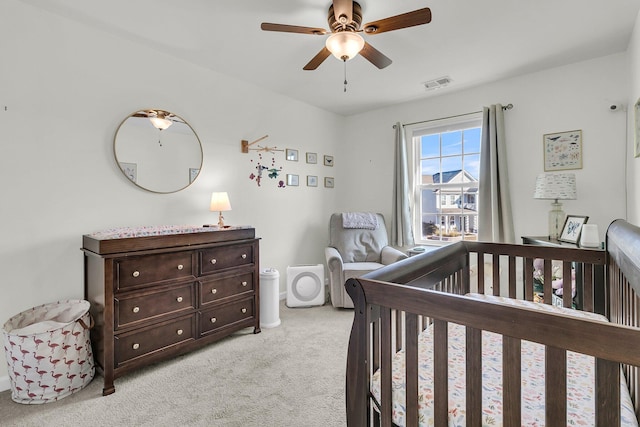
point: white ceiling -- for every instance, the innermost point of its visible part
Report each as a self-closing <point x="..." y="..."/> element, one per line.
<point x="472" y="41"/>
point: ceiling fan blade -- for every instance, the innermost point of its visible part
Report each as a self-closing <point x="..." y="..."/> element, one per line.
<point x="374" y="56"/>
<point x="266" y="26"/>
<point x="409" y="19"/>
<point x="343" y="8"/>
<point x="318" y="59"/>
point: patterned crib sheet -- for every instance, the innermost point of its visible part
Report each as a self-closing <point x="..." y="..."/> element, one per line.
<point x="580" y="380"/>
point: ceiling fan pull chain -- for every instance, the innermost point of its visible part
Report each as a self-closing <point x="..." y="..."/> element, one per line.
<point x="345" y="74"/>
<point x="159" y="136"/>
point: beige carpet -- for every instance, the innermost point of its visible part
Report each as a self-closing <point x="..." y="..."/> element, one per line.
<point x="291" y="375"/>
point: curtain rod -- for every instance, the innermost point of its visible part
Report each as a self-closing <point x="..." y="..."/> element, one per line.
<point x="506" y="107"/>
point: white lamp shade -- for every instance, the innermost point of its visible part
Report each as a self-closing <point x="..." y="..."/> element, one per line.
<point x="220" y="202"/>
<point x="345" y="44"/>
<point x="560" y="186"/>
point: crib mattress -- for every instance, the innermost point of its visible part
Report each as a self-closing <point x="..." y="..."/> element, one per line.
<point x="580" y="379"/>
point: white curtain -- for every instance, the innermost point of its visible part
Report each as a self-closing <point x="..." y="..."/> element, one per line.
<point x="494" y="210"/>
<point x="401" y="224"/>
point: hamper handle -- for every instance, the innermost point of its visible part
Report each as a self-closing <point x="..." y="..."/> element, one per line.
<point x="91" y="323"/>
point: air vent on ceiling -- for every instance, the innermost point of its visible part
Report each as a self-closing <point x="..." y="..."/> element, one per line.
<point x="437" y="83"/>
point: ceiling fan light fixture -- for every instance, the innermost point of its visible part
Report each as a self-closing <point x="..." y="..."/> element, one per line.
<point x="345" y="45"/>
<point x="160" y="122"/>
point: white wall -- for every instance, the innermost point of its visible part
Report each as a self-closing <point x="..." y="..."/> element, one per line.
<point x="67" y="87"/>
<point x="573" y="97"/>
<point x="633" y="164"/>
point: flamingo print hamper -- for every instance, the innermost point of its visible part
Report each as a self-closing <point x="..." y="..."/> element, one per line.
<point x="48" y="351"/>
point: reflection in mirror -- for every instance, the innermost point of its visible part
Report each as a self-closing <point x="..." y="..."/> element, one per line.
<point x="158" y="151"/>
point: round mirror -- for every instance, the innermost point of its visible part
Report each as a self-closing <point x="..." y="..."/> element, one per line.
<point x="158" y="151"/>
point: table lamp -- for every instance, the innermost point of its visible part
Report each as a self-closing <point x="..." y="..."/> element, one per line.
<point x="220" y="202"/>
<point x="561" y="186"/>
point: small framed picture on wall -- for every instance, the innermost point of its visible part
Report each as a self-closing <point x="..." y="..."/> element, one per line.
<point x="312" y="158"/>
<point x="328" y="182"/>
<point x="292" y="180"/>
<point x="292" y="154"/>
<point x="312" y="181"/>
<point x="328" y="160"/>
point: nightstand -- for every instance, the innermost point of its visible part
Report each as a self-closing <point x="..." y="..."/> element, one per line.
<point x="598" y="271"/>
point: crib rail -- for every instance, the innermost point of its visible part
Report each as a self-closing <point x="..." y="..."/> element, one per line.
<point x="392" y="305"/>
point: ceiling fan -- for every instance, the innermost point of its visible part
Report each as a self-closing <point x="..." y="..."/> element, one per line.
<point x="345" y="19"/>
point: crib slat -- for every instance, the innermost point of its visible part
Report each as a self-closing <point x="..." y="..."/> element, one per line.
<point x="440" y="374"/>
<point x="587" y="291"/>
<point x="512" y="277"/>
<point x="607" y="393"/>
<point x="512" y="392"/>
<point x="548" y="279"/>
<point x="385" y="366"/>
<point x="474" y="376"/>
<point x="496" y="274"/>
<point x="567" y="298"/>
<point x="555" y="387"/>
<point x="411" y="374"/>
<point x="528" y="279"/>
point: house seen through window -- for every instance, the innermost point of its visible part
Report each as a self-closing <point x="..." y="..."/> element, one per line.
<point x="447" y="171"/>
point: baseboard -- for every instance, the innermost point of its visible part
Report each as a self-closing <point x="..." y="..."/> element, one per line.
<point x="283" y="296"/>
<point x="4" y="383"/>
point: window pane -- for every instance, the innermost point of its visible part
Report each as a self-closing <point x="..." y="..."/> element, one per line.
<point x="472" y="140"/>
<point x="452" y="143"/>
<point x="429" y="168"/>
<point x="472" y="165"/>
<point x="450" y="164"/>
<point x="430" y="146"/>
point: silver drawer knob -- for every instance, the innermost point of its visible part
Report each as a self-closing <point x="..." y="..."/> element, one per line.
<point x="179" y="299"/>
<point x="214" y="320"/>
<point x="214" y="291"/>
<point x="136" y="346"/>
<point x="136" y="309"/>
<point x="244" y="256"/>
<point x="244" y="310"/>
<point x="244" y="283"/>
<point x="179" y="332"/>
<point x="180" y="266"/>
<point x="136" y="273"/>
<point x="213" y="261"/>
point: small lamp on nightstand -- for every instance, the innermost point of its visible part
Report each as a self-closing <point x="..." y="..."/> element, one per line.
<point x="561" y="186"/>
<point x="220" y="202"/>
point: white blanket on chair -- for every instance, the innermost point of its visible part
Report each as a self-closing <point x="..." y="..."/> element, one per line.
<point x="365" y="220"/>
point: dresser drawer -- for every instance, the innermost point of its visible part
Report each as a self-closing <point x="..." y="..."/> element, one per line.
<point x="141" y="342"/>
<point x="223" y="315"/>
<point x="220" y="287"/>
<point x="142" y="307"/>
<point x="220" y="258"/>
<point x="139" y="271"/>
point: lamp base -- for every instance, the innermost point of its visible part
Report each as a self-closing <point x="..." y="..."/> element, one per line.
<point x="556" y="220"/>
<point x="220" y="220"/>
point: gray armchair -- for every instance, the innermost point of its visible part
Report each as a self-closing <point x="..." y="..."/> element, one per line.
<point x="353" y="252"/>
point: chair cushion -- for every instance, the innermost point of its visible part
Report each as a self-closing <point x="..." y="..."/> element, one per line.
<point x="357" y="269"/>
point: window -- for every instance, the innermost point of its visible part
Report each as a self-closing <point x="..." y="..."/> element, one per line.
<point x="446" y="157"/>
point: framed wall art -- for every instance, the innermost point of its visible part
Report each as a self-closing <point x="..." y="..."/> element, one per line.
<point x="328" y="182"/>
<point x="312" y="158"/>
<point x="193" y="174"/>
<point x="572" y="228"/>
<point x="130" y="170"/>
<point x="292" y="180"/>
<point x="562" y="150"/>
<point x="312" y="181"/>
<point x="328" y="160"/>
<point x="292" y="154"/>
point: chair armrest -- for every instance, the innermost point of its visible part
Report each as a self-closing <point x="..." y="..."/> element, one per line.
<point x="334" y="259"/>
<point x="335" y="266"/>
<point x="389" y="255"/>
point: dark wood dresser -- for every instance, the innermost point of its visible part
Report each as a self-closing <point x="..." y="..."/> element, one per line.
<point x="157" y="292"/>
